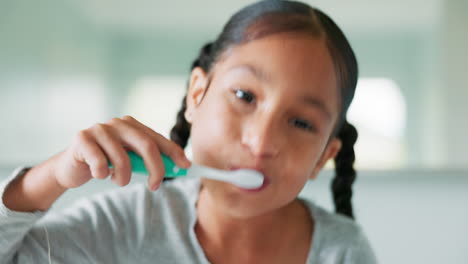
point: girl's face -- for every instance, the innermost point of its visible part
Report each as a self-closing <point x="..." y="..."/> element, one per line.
<point x="271" y="105"/>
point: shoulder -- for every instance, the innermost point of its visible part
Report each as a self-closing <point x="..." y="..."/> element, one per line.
<point x="133" y="217"/>
<point x="135" y="202"/>
<point x="339" y="238"/>
<point x="338" y="227"/>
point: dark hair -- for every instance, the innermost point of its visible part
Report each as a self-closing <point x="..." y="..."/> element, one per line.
<point x="274" y="16"/>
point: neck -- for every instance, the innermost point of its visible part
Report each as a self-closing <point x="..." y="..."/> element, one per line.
<point x="275" y="230"/>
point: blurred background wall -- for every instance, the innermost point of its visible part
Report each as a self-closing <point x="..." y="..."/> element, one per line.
<point x="65" y="65"/>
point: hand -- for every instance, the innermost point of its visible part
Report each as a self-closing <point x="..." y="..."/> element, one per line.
<point x="92" y="148"/>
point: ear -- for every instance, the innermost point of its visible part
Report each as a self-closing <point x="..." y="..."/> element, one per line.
<point x="197" y="88"/>
<point x="330" y="152"/>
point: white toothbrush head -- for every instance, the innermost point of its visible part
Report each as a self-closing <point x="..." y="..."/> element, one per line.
<point x="243" y="178"/>
<point x="246" y="178"/>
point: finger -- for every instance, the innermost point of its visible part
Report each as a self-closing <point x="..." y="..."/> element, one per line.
<point x="138" y="141"/>
<point x="115" y="153"/>
<point x="90" y="154"/>
<point x="166" y="146"/>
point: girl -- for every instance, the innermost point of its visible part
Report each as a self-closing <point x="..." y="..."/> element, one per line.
<point x="270" y="94"/>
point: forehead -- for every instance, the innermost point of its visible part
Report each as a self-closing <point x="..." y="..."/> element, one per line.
<point x="296" y="63"/>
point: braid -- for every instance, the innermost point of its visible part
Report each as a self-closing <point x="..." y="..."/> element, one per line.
<point x="180" y="132"/>
<point x="345" y="173"/>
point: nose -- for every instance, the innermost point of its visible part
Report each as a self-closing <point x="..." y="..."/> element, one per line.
<point x="261" y="137"/>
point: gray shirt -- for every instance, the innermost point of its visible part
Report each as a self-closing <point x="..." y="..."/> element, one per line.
<point x="135" y="225"/>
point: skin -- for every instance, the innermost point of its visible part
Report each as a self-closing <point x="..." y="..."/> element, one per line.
<point x="253" y="115"/>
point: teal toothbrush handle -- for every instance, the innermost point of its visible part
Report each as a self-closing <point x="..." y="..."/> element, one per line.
<point x="138" y="166"/>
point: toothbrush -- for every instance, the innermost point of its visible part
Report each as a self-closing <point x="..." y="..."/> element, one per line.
<point x="244" y="178"/>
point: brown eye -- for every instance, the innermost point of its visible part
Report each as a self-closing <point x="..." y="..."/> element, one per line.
<point x="302" y="124"/>
<point x="248" y="97"/>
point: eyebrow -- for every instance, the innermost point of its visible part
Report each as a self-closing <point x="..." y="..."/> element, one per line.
<point x="314" y="102"/>
<point x="257" y="72"/>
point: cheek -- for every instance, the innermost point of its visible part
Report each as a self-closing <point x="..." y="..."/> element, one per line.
<point x="213" y="133"/>
<point x="299" y="165"/>
<point x="299" y="169"/>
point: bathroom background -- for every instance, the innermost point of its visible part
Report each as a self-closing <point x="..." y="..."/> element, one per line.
<point x="67" y="64"/>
